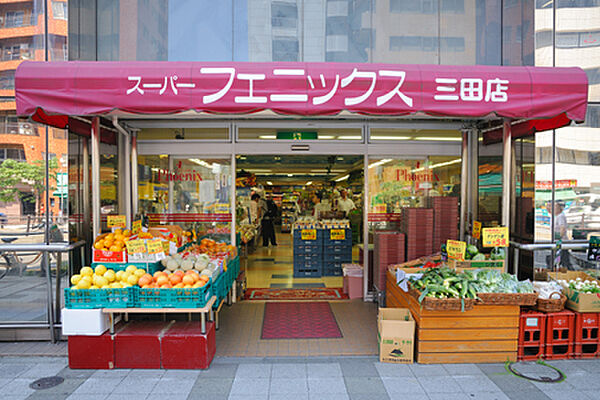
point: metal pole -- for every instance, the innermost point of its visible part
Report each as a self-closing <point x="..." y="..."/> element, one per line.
<point x="171" y="209"/>
<point x="473" y="202"/>
<point x="464" y="181"/>
<point x="96" y="221"/>
<point x="49" y="299"/>
<point x="121" y="176"/>
<point x="127" y="178"/>
<point x="506" y="171"/>
<point x="366" y="266"/>
<point x="85" y="171"/>
<point x="134" y="174"/>
<point x="233" y="198"/>
<point x="513" y="186"/>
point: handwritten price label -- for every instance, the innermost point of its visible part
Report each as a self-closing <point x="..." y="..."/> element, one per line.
<point x="136" y="226"/>
<point x="477" y="230"/>
<point x="136" y="246"/>
<point x="154" y="246"/>
<point x="308" y="234"/>
<point x="116" y="221"/>
<point x="337" y="234"/>
<point x="495" y="237"/>
<point x="456" y="249"/>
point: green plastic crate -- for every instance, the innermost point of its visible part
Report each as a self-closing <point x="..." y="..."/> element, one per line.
<point x="220" y="288"/>
<point x="151" y="268"/>
<point x="100" y="298"/>
<point x="174" y="298"/>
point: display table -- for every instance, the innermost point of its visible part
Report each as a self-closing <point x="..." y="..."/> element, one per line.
<point x="207" y="309"/>
<point x="486" y="333"/>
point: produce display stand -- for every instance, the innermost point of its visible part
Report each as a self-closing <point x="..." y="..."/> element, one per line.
<point x="467" y="265"/>
<point x="486" y="333"/>
<point x="207" y="309"/>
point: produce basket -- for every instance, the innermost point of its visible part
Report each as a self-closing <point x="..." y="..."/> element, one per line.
<point x="100" y="298"/>
<point x="220" y="287"/>
<point x="174" y="297"/>
<point x="508" y="299"/>
<point x="435" y="304"/>
<point x="149" y="267"/>
<point x="551" y="305"/>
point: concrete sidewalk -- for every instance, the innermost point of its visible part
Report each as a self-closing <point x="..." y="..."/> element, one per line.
<point x="313" y="378"/>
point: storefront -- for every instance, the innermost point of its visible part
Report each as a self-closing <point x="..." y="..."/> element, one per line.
<point x="178" y="129"/>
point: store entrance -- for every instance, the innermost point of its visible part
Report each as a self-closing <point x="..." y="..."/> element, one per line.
<point x="281" y="201"/>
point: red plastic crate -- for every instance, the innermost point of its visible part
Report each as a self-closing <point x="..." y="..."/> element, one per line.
<point x="138" y="344"/>
<point x="532" y="335"/>
<point x="587" y="342"/>
<point x="560" y="335"/>
<point x="184" y="347"/>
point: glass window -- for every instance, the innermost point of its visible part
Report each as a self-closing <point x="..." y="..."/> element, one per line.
<point x="14" y="19"/>
<point x="284" y="15"/>
<point x="455" y="6"/>
<point x="285" y="49"/>
<point x="385" y="134"/>
<point x="518" y="39"/>
<point x="59" y="9"/>
<point x="184" y="134"/>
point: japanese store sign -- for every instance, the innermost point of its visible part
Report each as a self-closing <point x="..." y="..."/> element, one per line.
<point x="337" y="234"/>
<point x="456" y="249"/>
<point x="495" y="237"/>
<point x="116" y="221"/>
<point x="308" y="234"/>
<point x="137" y="246"/>
<point x="477" y="230"/>
<point x="82" y="88"/>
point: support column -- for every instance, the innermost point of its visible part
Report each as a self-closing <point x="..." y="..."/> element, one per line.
<point x="134" y="174"/>
<point x="122" y="186"/>
<point x="95" y="178"/>
<point x="233" y="199"/>
<point x="473" y="188"/>
<point x="127" y="185"/>
<point x="86" y="197"/>
<point x="171" y="205"/>
<point x="464" y="182"/>
<point x="506" y="171"/>
<point x="365" y="227"/>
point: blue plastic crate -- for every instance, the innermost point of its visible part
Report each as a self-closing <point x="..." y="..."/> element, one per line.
<point x="332" y="269"/>
<point x="100" y="298"/>
<point x="308" y="264"/>
<point x="339" y="258"/>
<point x="307" y="273"/>
<point x="174" y="298"/>
<point x="308" y="249"/>
<point x="298" y="238"/>
<point x="307" y="257"/>
<point x="327" y="238"/>
<point x="337" y="249"/>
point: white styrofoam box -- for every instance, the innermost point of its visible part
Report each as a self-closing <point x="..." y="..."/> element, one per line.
<point x="90" y="322"/>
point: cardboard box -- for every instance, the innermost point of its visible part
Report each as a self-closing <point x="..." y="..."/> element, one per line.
<point x="396" y="335"/>
<point x="576" y="300"/>
<point x="88" y="322"/>
<point x="99" y="256"/>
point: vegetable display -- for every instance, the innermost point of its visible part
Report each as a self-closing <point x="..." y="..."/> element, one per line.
<point x="493" y="281"/>
<point x="585" y="286"/>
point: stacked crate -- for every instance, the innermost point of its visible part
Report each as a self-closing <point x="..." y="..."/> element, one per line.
<point x="308" y="255"/>
<point x="445" y="220"/>
<point x="336" y="252"/>
<point x="417" y="225"/>
<point x="388" y="250"/>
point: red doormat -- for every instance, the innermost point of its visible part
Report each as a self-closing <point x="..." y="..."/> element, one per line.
<point x="295" y="294"/>
<point x="301" y="320"/>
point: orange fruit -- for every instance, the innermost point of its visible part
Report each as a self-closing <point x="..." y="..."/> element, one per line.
<point x="162" y="280"/>
<point x="199" y="284"/>
<point x="159" y="273"/>
<point x="175" y="278"/>
<point x="187" y="286"/>
<point x="166" y="286"/>
<point x="204" y="278"/>
<point x="145" y="280"/>
<point x="126" y="233"/>
<point x="179" y="286"/>
<point x="188" y="280"/>
<point x="115" y="248"/>
<point x="99" y="245"/>
<point x="179" y="272"/>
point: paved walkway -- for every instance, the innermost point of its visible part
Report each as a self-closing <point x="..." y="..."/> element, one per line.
<point x="312" y="378"/>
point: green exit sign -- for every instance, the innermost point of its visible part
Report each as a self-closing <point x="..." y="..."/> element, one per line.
<point x="297" y="135"/>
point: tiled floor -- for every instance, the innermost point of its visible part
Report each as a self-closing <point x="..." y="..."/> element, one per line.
<point x="241" y="325"/>
<point x="322" y="378"/>
<point x="269" y="266"/>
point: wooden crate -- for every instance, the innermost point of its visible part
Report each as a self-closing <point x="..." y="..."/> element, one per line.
<point x="483" y="334"/>
<point x="466" y="265"/>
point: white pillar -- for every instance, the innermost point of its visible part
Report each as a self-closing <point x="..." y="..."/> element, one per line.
<point x="96" y="221"/>
<point x="506" y="171"/>
<point x="464" y="182"/>
<point x="134" y="174"/>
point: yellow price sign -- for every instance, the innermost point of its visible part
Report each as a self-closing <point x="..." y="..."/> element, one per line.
<point x="495" y="237"/>
<point x="166" y="246"/>
<point x="456" y="249"/>
<point x="337" y="234"/>
<point x="155" y="246"/>
<point x="308" y="234"/>
<point x="477" y="230"/>
<point x="136" y="226"/>
<point x="116" y="221"/>
<point x="136" y="246"/>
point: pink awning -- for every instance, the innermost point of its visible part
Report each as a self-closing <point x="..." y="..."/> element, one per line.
<point x="49" y="92"/>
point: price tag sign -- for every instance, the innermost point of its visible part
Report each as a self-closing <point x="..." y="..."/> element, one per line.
<point x="116" y="221"/>
<point x="155" y="246"/>
<point x="166" y="246"/>
<point x="337" y="234"/>
<point x="308" y="234"/>
<point x="136" y="226"/>
<point x="594" y="248"/>
<point x="456" y="249"/>
<point x="495" y="237"/>
<point x="477" y="230"/>
<point x="136" y="246"/>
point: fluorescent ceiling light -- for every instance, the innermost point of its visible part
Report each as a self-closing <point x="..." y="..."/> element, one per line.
<point x="290" y="175"/>
<point x="201" y="162"/>
<point x="256" y="170"/>
<point x="326" y="137"/>
<point x="340" y="158"/>
<point x="381" y="162"/>
<point x="343" y="178"/>
<point x="349" y="137"/>
<point x="267" y="137"/>
<point x="270" y="183"/>
<point x="242" y="157"/>
<point x="324" y="170"/>
<point x="439" y="165"/>
<point x="308" y="183"/>
<point x="440" y="139"/>
<point x="390" y="137"/>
